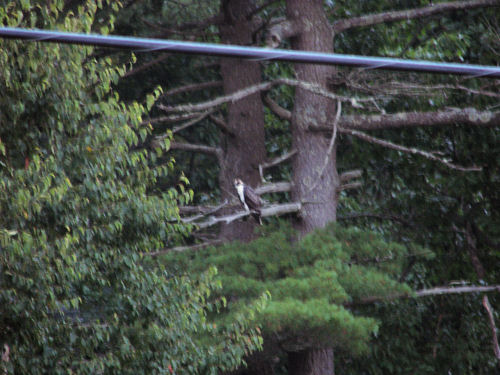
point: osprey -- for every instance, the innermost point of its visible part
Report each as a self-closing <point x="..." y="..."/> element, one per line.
<point x="248" y="198"/>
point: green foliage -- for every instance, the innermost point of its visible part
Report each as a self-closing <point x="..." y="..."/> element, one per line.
<point x="311" y="282"/>
<point x="80" y="209"/>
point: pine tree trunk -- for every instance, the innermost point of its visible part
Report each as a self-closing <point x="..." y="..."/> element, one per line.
<point x="311" y="362"/>
<point x="313" y="186"/>
<point x="245" y="149"/>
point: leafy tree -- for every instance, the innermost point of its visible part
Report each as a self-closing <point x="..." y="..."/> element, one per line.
<point x="81" y="210"/>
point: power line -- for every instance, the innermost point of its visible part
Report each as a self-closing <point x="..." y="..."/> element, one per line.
<point x="253" y="53"/>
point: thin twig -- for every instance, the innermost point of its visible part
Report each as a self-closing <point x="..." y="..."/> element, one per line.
<point x="264" y="86"/>
<point x="330" y="146"/>
<point x="409" y="150"/>
<point x="275" y="161"/>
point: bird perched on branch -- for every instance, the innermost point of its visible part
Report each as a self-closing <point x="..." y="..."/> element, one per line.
<point x="249" y="199"/>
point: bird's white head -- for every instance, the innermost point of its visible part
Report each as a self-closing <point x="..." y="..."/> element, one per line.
<point x="237" y="182"/>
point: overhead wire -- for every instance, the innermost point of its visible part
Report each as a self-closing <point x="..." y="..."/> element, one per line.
<point x="252" y="53"/>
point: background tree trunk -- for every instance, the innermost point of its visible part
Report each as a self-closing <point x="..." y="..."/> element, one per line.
<point x="316" y="190"/>
<point x="245" y="149"/>
<point x="317" y="362"/>
<point x="315" y="187"/>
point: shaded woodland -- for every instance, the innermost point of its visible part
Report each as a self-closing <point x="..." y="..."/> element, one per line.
<point x="124" y="248"/>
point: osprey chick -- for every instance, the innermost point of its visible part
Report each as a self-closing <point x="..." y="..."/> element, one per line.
<point x="248" y="198"/>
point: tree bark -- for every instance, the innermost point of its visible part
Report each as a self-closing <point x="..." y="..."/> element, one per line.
<point x="315" y="187"/>
<point x="312" y="362"/>
<point x="244" y="150"/>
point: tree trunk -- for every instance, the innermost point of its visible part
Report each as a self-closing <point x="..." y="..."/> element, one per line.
<point x="312" y="362"/>
<point x="245" y="149"/>
<point x="314" y="186"/>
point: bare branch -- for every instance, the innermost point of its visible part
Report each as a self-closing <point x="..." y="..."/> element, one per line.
<point x="429" y="292"/>
<point x="478" y="267"/>
<point x="275" y="161"/>
<point x="491" y="320"/>
<point x="273" y="188"/>
<point x="191" y="123"/>
<point x="409" y="150"/>
<point x="280" y="30"/>
<point x="273" y="210"/>
<point x="216" y="151"/>
<point x="465" y="116"/>
<point x="373" y="19"/>
<point x="281" y="112"/>
<point x="183" y="248"/>
<point x="350" y="175"/>
<point x="197" y="209"/>
<point x="147" y="65"/>
<point x="172" y="119"/>
<point x="330" y="146"/>
<point x="192" y="87"/>
<point x="264" y="86"/>
<point x="221" y="124"/>
<point x="352" y="185"/>
<point x="208" y="212"/>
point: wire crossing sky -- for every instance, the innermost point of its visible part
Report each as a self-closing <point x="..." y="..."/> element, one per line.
<point x="251" y="53"/>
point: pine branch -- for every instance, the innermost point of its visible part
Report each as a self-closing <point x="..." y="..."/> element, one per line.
<point x="183" y="248"/>
<point x="408" y="150"/>
<point x="191" y="123"/>
<point x="264" y="86"/>
<point x="437" y="291"/>
<point x="330" y="147"/>
<point x="192" y="87"/>
<point x="278" y="110"/>
<point x="465" y="116"/>
<point x="146" y="66"/>
<point x="373" y="19"/>
<point x="491" y="320"/>
<point x="273" y="210"/>
<point x="280" y="30"/>
<point x="274" y="162"/>
<point x="221" y="124"/>
<point x="273" y="188"/>
<point x="216" y="151"/>
<point x="350" y="175"/>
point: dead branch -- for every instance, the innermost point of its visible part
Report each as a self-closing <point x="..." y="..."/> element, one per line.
<point x="147" y="65"/>
<point x="264" y="86"/>
<point x="282" y="29"/>
<point x="437" y="291"/>
<point x="191" y="123"/>
<point x="350" y="175"/>
<point x="465" y="116"/>
<point x="330" y="146"/>
<point x="491" y="320"/>
<point x="221" y="124"/>
<point x="408" y="150"/>
<point x="275" y="161"/>
<point x="172" y="119"/>
<point x="357" y="215"/>
<point x="273" y="210"/>
<point x="278" y="110"/>
<point x="373" y="19"/>
<point x="274" y="188"/>
<point x="192" y="87"/>
<point x="183" y="248"/>
<point x="478" y="267"/>
<point x="350" y="186"/>
<point x="207" y="212"/>
<point x="216" y="151"/>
